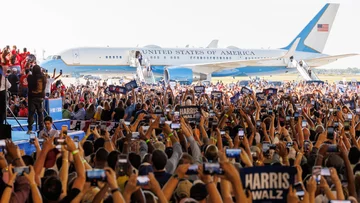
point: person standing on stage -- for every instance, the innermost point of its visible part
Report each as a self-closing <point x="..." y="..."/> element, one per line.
<point x="3" y="81"/>
<point x="36" y="87"/>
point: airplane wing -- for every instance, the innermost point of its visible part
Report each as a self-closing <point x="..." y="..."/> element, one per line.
<point x="314" y="62"/>
<point x="207" y="68"/>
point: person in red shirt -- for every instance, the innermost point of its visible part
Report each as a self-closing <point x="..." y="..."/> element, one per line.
<point x="24" y="83"/>
<point x="23" y="111"/>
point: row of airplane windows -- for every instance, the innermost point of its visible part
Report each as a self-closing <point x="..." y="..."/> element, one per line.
<point x="191" y="57"/>
<point x="209" y="57"/>
<point x="113" y="57"/>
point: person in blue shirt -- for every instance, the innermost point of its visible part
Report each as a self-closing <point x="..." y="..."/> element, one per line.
<point x="80" y="114"/>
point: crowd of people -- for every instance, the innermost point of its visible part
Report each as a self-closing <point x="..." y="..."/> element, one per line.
<point x="192" y="143"/>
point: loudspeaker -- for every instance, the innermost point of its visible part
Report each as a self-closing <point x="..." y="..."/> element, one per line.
<point x="5" y="131"/>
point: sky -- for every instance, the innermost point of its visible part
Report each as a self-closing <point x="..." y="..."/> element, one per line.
<point x="57" y="25"/>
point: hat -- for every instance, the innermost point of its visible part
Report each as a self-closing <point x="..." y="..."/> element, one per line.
<point x="198" y="191"/>
<point x="159" y="146"/>
<point x="183" y="189"/>
<point x="51" y="158"/>
<point x="145" y="169"/>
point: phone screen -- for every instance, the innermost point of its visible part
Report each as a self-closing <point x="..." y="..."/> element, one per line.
<point x="333" y="148"/>
<point x="135" y="135"/>
<point x="213" y="168"/>
<point x="58" y="141"/>
<point x="266" y="146"/>
<point x="241" y="133"/>
<point x="232" y="153"/>
<point x="303" y="124"/>
<point x="21" y="170"/>
<point x="317" y="174"/>
<point x="192" y="170"/>
<point x="175" y="125"/>
<point x="143" y="180"/>
<point x="325" y="172"/>
<point x="289" y="144"/>
<point x="330" y="133"/>
<point x="307" y="145"/>
<point x="95" y="175"/>
<point x="258" y="124"/>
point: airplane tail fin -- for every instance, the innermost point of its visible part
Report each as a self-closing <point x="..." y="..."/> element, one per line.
<point x="315" y="34"/>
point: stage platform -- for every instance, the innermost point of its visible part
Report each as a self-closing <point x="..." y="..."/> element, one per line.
<point x="21" y="139"/>
<point x="23" y="122"/>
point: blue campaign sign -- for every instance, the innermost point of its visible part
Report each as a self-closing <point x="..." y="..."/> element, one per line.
<point x="268" y="183"/>
<point x="54" y="108"/>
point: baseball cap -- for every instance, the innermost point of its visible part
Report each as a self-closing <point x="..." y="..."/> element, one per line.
<point x="51" y="158"/>
<point x="183" y="189"/>
<point x="145" y="169"/>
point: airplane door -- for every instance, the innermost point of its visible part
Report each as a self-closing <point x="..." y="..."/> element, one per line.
<point x="76" y="56"/>
<point x="132" y="58"/>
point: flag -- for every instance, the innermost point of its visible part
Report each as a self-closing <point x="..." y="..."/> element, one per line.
<point x="323" y="27"/>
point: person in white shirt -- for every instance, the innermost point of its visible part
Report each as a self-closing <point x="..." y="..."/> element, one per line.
<point x="48" y="131"/>
<point x="50" y="81"/>
<point x="4" y="82"/>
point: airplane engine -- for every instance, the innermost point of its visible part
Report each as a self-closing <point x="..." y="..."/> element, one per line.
<point x="182" y="75"/>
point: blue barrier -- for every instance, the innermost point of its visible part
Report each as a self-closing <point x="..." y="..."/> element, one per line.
<point x="21" y="139"/>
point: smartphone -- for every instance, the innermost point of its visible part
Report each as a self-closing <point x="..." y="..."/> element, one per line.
<point x="265" y="146"/>
<point x="32" y="137"/>
<point x="21" y="170"/>
<point x="222" y="132"/>
<point x="103" y="129"/>
<point x="162" y="121"/>
<point x="287" y="118"/>
<point x="58" y="141"/>
<point x="175" y="125"/>
<point x="349" y="116"/>
<point x="76" y="138"/>
<point x="325" y="172"/>
<point x="336" y="124"/>
<point x="176" y="116"/>
<point x="296" y="115"/>
<point x="289" y="144"/>
<point x="330" y="133"/>
<point x="299" y="190"/>
<point x="143" y="180"/>
<point x="64" y="129"/>
<point x="258" y="123"/>
<point x="213" y="168"/>
<point x="316" y="173"/>
<point x="232" y="153"/>
<point x="92" y="127"/>
<point x="76" y="144"/>
<point x="135" y="135"/>
<point x="333" y="148"/>
<point x="241" y="133"/>
<point x="358" y="111"/>
<point x="192" y="170"/>
<point x="303" y="124"/>
<point x="95" y="175"/>
<point x="270" y="111"/>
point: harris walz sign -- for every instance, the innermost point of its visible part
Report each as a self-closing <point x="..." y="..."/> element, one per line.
<point x="268" y="183"/>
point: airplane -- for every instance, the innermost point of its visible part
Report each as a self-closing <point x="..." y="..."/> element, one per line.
<point x="186" y="65"/>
